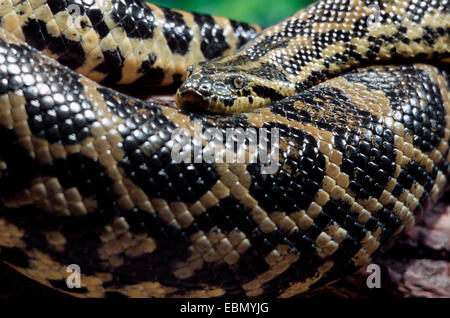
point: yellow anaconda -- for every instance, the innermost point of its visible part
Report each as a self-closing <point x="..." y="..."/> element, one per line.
<point x="151" y="201"/>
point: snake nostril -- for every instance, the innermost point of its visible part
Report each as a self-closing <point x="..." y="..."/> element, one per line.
<point x="205" y="89"/>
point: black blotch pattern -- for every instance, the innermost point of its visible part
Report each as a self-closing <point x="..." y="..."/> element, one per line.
<point x="303" y="268"/>
<point x="59" y="112"/>
<point x="136" y="18"/>
<point x="152" y="75"/>
<point x="70" y="53"/>
<point x="244" y="32"/>
<point x="297" y="180"/>
<point x="178" y="38"/>
<point x="36" y="34"/>
<point x="112" y="66"/>
<point x="97" y="20"/>
<point x="423" y="121"/>
<point x="213" y="40"/>
<point x="139" y="22"/>
<point x="77" y="172"/>
<point x="57" y="5"/>
<point x="267" y="92"/>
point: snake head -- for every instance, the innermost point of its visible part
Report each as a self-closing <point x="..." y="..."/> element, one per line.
<point x="225" y="91"/>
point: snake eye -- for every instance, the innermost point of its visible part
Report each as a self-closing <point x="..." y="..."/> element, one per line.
<point x="189" y="71"/>
<point x="238" y="82"/>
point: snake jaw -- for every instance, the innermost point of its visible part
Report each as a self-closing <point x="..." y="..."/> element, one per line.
<point x="191" y="99"/>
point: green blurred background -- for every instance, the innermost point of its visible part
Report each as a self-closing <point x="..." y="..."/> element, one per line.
<point x="264" y="12"/>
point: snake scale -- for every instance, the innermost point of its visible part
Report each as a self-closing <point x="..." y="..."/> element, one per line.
<point x="87" y="176"/>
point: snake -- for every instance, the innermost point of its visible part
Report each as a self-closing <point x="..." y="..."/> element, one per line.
<point x="349" y="100"/>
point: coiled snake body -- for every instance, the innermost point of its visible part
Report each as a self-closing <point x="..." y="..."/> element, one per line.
<point x="87" y="175"/>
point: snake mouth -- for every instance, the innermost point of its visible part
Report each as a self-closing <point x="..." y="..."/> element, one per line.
<point x="191" y="100"/>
